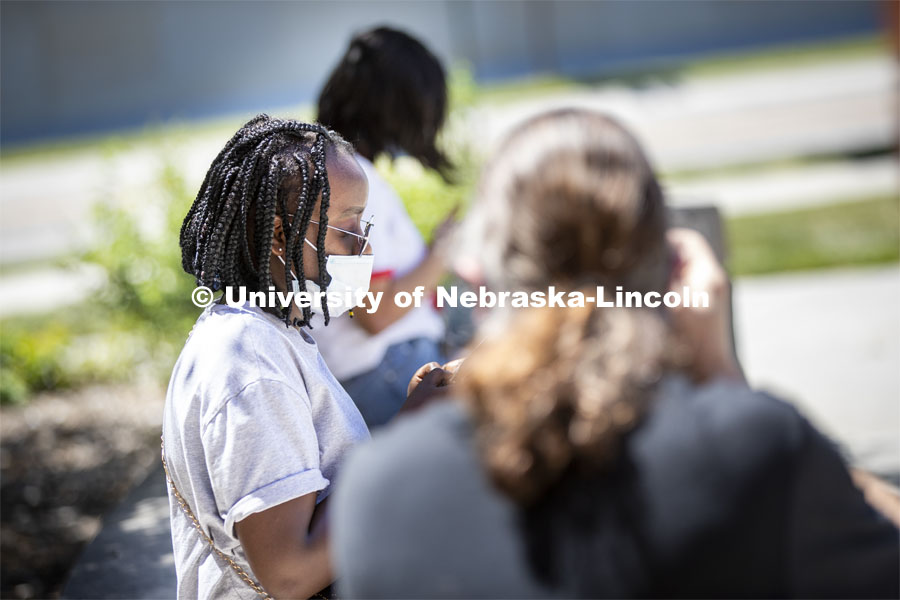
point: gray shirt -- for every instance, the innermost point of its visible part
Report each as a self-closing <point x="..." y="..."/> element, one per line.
<point x="253" y="419"/>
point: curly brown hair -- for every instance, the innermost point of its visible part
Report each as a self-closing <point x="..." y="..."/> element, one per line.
<point x="571" y="201"/>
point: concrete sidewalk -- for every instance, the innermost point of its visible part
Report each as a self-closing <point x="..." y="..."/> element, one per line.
<point x="790" y="188"/>
<point x="132" y="555"/>
<point x="710" y="122"/>
<point x="830" y="342"/>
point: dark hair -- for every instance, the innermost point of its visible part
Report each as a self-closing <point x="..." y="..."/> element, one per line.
<point x="388" y="93"/>
<point x="268" y="167"/>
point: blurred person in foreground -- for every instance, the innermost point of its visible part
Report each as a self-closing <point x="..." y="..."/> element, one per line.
<point x="602" y="452"/>
<point x="388" y="95"/>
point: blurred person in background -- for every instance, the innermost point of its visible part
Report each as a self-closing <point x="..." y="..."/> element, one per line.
<point x="387" y="96"/>
<point x="255" y="425"/>
<point x="603" y="452"/>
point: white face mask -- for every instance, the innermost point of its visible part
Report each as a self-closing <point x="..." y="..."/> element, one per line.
<point x="350" y="277"/>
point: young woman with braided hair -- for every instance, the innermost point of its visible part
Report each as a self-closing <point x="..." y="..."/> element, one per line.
<point x="602" y="452"/>
<point x="255" y="425"/>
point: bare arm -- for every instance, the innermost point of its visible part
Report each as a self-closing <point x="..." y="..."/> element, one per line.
<point x="708" y="335"/>
<point x="287" y="547"/>
<point x="706" y="331"/>
<point x="878" y="494"/>
<point x="427" y="274"/>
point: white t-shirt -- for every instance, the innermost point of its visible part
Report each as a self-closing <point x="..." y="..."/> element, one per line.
<point x="253" y="418"/>
<point x="399" y="248"/>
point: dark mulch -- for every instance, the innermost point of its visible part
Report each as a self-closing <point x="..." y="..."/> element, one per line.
<point x="65" y="460"/>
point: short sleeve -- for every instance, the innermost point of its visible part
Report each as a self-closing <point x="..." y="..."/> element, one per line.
<point x="839" y="546"/>
<point x="261" y="451"/>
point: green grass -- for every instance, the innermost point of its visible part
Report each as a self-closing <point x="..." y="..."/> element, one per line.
<point x="31" y="265"/>
<point x="528" y="87"/>
<point x="770" y="167"/>
<point x="850" y="234"/>
<point x="793" y="55"/>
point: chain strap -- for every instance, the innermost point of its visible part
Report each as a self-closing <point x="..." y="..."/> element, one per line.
<point x="190" y="515"/>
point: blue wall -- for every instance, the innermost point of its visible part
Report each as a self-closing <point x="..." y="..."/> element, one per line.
<point x="76" y="67"/>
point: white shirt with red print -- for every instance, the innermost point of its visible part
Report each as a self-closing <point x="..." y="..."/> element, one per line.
<point x="399" y="248"/>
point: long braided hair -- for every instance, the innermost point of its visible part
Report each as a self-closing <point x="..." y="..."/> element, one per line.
<point x="270" y="166"/>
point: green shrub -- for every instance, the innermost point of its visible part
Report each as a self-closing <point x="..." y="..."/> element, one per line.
<point x="137" y="320"/>
<point x="146" y="285"/>
<point x="30" y="360"/>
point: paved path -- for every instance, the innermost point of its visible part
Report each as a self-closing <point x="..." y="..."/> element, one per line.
<point x="706" y="122"/>
<point x="790" y="188"/>
<point x="131" y="558"/>
<point x="830" y="341"/>
<point x="42" y="290"/>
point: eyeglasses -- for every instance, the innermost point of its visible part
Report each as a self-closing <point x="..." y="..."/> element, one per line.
<point x="362" y="240"/>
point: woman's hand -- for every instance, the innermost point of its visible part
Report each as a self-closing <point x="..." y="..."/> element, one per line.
<point x="428" y="384"/>
<point x="706" y="331"/>
<point x="427" y="274"/>
<point x="452" y="368"/>
<point x="880" y="495"/>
